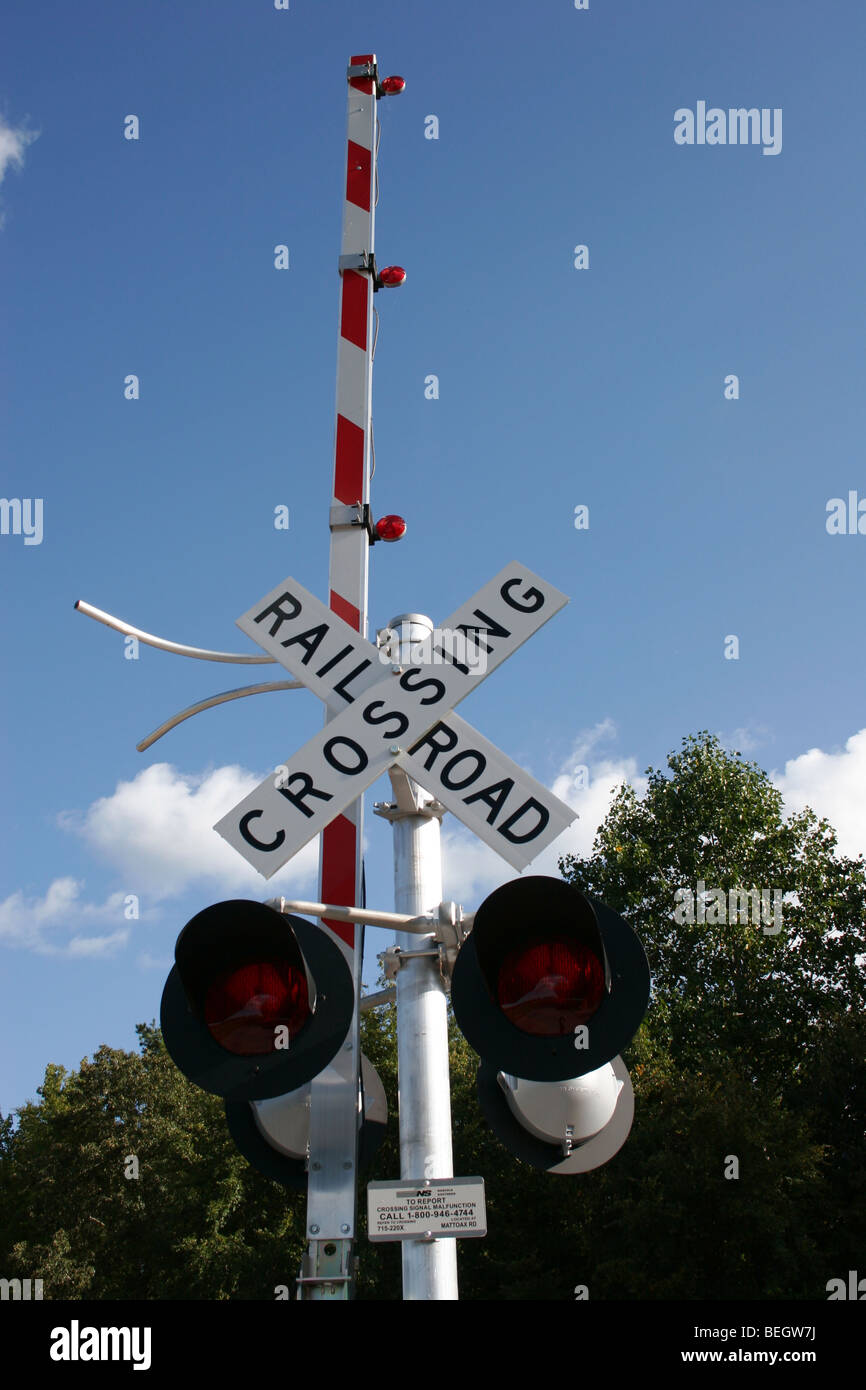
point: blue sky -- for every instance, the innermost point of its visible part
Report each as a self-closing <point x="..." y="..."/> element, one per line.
<point x="558" y="387"/>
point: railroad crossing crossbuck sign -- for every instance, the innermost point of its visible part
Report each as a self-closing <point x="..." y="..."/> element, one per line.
<point x="387" y="714"/>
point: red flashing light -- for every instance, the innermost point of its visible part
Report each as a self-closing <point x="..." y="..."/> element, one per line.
<point x="391" y="528"/>
<point x="550" y="987"/>
<point x="392" y="276"/>
<point x="245" y="1005"/>
<point x="392" y="86"/>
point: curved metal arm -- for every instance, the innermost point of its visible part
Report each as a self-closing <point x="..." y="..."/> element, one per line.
<point x="164" y="645"/>
<point x="209" y="704"/>
<point x="403" y="920"/>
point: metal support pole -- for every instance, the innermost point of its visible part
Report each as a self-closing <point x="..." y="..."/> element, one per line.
<point x="429" y="1266"/>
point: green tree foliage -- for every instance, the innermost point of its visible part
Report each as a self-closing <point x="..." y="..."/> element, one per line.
<point x="196" y="1223"/>
<point x="745" y="989"/>
<point x="754" y="1043"/>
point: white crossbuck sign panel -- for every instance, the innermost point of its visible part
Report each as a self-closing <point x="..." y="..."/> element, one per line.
<point x="384" y="714"/>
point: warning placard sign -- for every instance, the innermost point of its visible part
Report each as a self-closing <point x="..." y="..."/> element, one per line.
<point x="432" y="1207"/>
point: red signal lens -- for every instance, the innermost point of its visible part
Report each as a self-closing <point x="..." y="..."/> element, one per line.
<point x="392" y="275"/>
<point x="392" y="86"/>
<point x="550" y="987"/>
<point x="391" y="528"/>
<point x="245" y="1005"/>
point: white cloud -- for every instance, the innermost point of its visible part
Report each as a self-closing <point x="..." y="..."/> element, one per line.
<point x="145" y="961"/>
<point x="469" y="869"/>
<point x="832" y="784"/>
<point x="13" y="142"/>
<point x="586" y="783"/>
<point x="745" y="740"/>
<point x="157" y="833"/>
<point x="29" y="922"/>
<point x="591" y="801"/>
<point x="98" y="945"/>
<point x="589" y="739"/>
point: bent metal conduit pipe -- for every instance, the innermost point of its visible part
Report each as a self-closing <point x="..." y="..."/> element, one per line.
<point x="180" y="649"/>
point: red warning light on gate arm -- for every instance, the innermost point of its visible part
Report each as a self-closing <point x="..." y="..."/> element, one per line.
<point x="392" y="86"/>
<point x="391" y="528"/>
<point x="391" y="276"/>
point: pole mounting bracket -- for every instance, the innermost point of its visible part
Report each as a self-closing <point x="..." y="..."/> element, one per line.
<point x="364" y="261"/>
<point x="448" y="935"/>
<point x="345" y="516"/>
<point x="357" y="260"/>
<point x="452" y="930"/>
<point x="394" y="958"/>
<point x="411" y="800"/>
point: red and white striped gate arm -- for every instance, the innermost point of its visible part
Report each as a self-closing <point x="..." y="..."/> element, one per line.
<point x="341" y="847"/>
<point x="333" y="1141"/>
